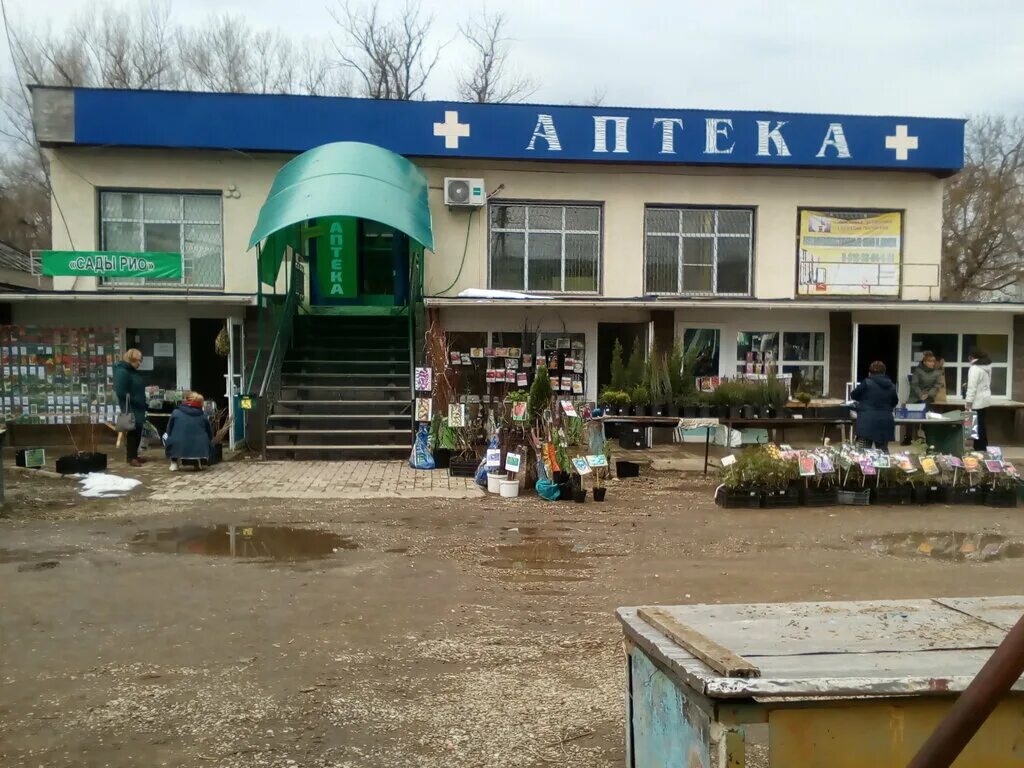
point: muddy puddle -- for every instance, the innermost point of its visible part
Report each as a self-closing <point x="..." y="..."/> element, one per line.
<point x="953" y="546"/>
<point x="250" y="542"/>
<point x="536" y="554"/>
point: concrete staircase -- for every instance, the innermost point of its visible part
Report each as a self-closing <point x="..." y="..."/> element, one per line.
<point x="345" y="391"/>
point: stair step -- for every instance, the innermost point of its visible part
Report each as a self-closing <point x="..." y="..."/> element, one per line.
<point x="389" y="388"/>
<point x="348" y="375"/>
<point x="310" y="361"/>
<point x="377" y="416"/>
<point x="293" y="403"/>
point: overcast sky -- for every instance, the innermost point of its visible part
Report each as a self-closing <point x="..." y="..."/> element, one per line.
<point x="904" y="57"/>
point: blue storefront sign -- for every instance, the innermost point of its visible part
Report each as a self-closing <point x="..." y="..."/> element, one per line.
<point x="518" y="131"/>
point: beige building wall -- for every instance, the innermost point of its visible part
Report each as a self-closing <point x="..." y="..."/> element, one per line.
<point x="775" y="194"/>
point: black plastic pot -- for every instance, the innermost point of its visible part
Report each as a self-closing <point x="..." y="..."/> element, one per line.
<point x="217" y="454"/>
<point x="785" y="497"/>
<point x="599" y="494"/>
<point x="896" y="495"/>
<point x="818" y="497"/>
<point x="969" y="495"/>
<point x="627" y="469"/>
<point x="560" y="477"/>
<point x="660" y="410"/>
<point x="672" y="411"/>
<point x="704" y="412"/>
<point x="735" y="411"/>
<point x="749" y="412"/>
<point x="769" y="412"/>
<point x="940" y="494"/>
<point x="460" y="466"/>
<point x="442" y="457"/>
<point x="1003" y="498"/>
<point x="579" y="495"/>
<point x="735" y="498"/>
<point x="920" y="494"/>
<point x="691" y="411"/>
<point x="621" y="410"/>
<point x="81" y="463"/>
<point x="565" y="491"/>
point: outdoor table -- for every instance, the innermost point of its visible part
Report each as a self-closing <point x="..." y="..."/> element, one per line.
<point x="707" y="424"/>
<point x="952" y="441"/>
<point x="838" y="685"/>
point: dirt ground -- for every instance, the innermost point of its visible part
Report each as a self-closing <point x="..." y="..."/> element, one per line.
<point x="414" y="633"/>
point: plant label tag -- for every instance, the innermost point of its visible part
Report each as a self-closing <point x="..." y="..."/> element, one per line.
<point x="868" y="469"/>
<point x="728" y="461"/>
<point x="494" y="457"/>
<point x="598" y="460"/>
<point x="994" y="466"/>
<point x="806" y="466"/>
<point x="580" y="465"/>
<point x="512" y="461"/>
<point x="569" y="409"/>
<point x="825" y="466"/>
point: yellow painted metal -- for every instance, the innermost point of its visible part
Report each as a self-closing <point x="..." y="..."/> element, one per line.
<point x="887" y="735"/>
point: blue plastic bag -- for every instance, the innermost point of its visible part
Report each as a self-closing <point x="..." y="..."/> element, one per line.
<point x="547" y="490"/>
<point x="421" y="457"/>
<point x="481" y="471"/>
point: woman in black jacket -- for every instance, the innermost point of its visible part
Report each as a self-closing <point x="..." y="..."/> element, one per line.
<point x="131" y="397"/>
<point x="876" y="396"/>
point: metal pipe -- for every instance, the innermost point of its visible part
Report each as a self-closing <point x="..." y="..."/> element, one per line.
<point x="975" y="704"/>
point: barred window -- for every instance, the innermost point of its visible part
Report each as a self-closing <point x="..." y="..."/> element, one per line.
<point x="189" y="224"/>
<point x="698" y="250"/>
<point x="545" y="247"/>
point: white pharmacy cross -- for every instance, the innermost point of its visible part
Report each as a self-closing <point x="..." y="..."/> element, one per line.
<point x="452" y="130"/>
<point x="901" y="142"/>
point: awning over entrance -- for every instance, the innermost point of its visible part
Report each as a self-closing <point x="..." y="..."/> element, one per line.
<point x="341" y="179"/>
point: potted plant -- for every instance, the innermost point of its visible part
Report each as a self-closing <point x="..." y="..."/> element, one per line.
<point x="776" y="395"/>
<point x="742" y="481"/>
<point x="442" y="441"/>
<point x="615" y="402"/>
<point x="83" y="462"/>
<point x="1001" y="490"/>
<point x="780" y="479"/>
<point x="728" y="398"/>
<point x="804" y="398"/>
<point x="687" y="405"/>
<point x="706" y="406"/>
<point x="599" y="489"/>
<point x="641" y="400"/>
<point x="658" y="384"/>
<point x="752" y="398"/>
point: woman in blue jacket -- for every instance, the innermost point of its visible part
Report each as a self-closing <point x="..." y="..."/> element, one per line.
<point x="876" y="396"/>
<point x="189" y="434"/>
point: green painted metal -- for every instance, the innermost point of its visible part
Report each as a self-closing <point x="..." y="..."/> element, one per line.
<point x="344" y="179"/>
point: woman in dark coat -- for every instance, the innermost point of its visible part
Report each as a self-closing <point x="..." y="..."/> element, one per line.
<point x="876" y="396"/>
<point x="189" y="433"/>
<point x="131" y="396"/>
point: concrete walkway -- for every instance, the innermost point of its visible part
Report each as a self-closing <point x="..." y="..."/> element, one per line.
<point x="311" y="480"/>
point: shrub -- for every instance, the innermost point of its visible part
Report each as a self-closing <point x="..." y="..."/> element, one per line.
<point x="619" y="380"/>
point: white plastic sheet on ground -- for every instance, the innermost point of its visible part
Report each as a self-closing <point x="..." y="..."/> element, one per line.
<point x="99" y="485"/>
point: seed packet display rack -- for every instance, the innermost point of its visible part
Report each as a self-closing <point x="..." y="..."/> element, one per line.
<point x="59" y="375"/>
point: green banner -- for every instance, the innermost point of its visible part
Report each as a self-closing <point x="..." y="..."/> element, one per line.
<point x="160" y="266"/>
<point x="336" y="257"/>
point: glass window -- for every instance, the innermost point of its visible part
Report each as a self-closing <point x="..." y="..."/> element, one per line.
<point x="800" y="355"/>
<point x="953" y="350"/>
<point x="553" y="248"/>
<point x="705" y="343"/>
<point x="187" y="224"/>
<point x="157" y="370"/>
<point x="698" y="251"/>
<point x="763" y="344"/>
<point x="803" y="346"/>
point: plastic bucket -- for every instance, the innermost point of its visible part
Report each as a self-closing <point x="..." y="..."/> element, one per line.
<point x="494" y="481"/>
<point x="509" y="488"/>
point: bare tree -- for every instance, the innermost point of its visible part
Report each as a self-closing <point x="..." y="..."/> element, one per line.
<point x="983" y="213"/>
<point x="392" y="58"/>
<point x="489" y="79"/>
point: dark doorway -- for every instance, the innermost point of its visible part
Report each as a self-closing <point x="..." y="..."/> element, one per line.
<point x="627" y="333"/>
<point x="878" y="342"/>
<point x="208" y="368"/>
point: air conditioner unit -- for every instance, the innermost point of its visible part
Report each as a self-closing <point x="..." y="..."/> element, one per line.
<point x="464" y="193"/>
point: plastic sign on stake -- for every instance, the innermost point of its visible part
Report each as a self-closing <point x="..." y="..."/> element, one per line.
<point x="494" y="457"/>
<point x="512" y="462"/>
<point x="580" y="465"/>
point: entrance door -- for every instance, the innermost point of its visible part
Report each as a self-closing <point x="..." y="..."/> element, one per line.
<point x="358" y="263"/>
<point x="878" y="342"/>
<point x="208" y="368"/>
<point x="628" y="334"/>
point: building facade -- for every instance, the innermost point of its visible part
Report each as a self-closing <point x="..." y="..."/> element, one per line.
<point x="803" y="244"/>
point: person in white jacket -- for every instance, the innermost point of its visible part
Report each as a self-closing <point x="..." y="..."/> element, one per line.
<point x="979" y="393"/>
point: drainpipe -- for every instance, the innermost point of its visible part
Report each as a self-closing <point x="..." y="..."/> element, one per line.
<point x="975" y="704"/>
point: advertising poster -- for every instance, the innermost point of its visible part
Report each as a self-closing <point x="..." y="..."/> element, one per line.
<point x="846" y="253"/>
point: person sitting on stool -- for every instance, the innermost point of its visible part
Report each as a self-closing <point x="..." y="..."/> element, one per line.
<point x="189" y="434"/>
<point x="876" y="396"/>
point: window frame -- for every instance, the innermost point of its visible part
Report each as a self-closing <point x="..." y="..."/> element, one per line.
<point x="781" y="363"/>
<point x="714" y="236"/>
<point x="961" y="364"/>
<point x="563" y="204"/>
<point x="116" y="283"/>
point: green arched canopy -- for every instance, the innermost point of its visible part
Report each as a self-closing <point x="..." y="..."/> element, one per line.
<point x="346" y="178"/>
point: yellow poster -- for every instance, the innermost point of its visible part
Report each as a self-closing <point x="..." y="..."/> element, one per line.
<point x="847" y="253"/>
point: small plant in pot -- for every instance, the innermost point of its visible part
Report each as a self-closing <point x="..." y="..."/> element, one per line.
<point x="804" y="398"/>
<point x="615" y="402"/>
<point x="706" y="406"/>
<point x="776" y="395"/>
<point x="641" y="400"/>
<point x="728" y="397"/>
<point x="599" y="489"/>
<point x="687" y="405"/>
<point x="752" y="399"/>
<point x="579" y="491"/>
<point x="658" y="384"/>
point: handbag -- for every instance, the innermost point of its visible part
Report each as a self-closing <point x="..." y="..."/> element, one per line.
<point x="125" y="421"/>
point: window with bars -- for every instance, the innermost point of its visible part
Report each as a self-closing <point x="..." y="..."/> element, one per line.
<point x="189" y="224"/>
<point x="545" y="247"/>
<point x="698" y="250"/>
